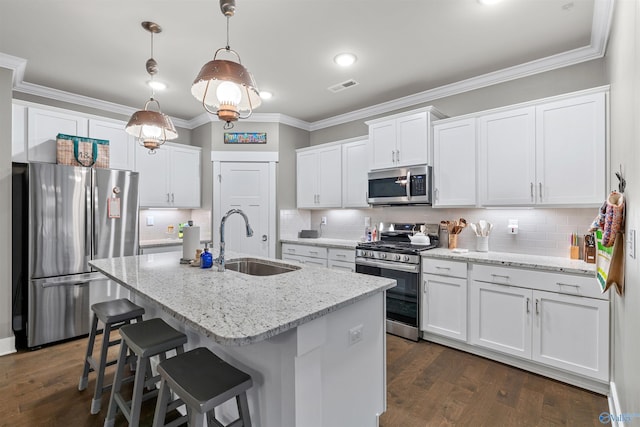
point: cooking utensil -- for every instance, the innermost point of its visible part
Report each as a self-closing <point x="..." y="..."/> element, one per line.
<point x="474" y="228"/>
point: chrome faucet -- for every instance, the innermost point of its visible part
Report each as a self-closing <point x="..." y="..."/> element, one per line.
<point x="220" y="259"/>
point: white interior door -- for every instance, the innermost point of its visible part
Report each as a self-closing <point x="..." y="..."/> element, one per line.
<point x="246" y="186"/>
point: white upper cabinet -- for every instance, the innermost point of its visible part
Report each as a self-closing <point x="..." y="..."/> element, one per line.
<point x="507" y="157"/>
<point x="43" y="128"/>
<point x="552" y="153"/>
<point x="170" y="177"/>
<point x="454" y="163"/>
<point x="570" y="151"/>
<point x="18" y="133"/>
<point x="319" y="177"/>
<point x="121" y="144"/>
<point x="355" y="166"/>
<point x="401" y="139"/>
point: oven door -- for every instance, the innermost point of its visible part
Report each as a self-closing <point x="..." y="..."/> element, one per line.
<point x="402" y="300"/>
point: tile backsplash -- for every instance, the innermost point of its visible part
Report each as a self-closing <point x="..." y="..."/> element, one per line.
<point x="163" y="218"/>
<point x="540" y="232"/>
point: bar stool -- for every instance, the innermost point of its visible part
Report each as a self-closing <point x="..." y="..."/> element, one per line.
<point x="146" y="339"/>
<point x="113" y="314"/>
<point x="202" y="381"/>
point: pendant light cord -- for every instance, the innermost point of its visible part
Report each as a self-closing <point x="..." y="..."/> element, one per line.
<point x="228" y="47"/>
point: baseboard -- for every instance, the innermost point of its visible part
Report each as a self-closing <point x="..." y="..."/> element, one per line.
<point x="7" y="345"/>
<point x="615" y="412"/>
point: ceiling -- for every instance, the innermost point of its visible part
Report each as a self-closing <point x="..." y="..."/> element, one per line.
<point x="97" y="49"/>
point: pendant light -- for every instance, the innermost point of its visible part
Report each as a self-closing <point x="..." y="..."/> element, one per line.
<point x="226" y="87"/>
<point x="151" y="128"/>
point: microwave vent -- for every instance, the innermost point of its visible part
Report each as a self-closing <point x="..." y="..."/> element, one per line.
<point x="344" y="85"/>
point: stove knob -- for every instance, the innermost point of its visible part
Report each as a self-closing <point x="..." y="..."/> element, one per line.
<point x="383" y="255"/>
<point x="369" y="254"/>
<point x="405" y="258"/>
<point x="397" y="257"/>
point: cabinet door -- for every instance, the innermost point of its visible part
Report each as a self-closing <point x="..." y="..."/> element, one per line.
<point x="507" y="158"/>
<point x="307" y="179"/>
<point x="501" y="318"/>
<point x="572" y="333"/>
<point x="154" y="177"/>
<point x="382" y="145"/>
<point x="184" y="164"/>
<point x="355" y="166"/>
<point x="444" y="306"/>
<point x="570" y="151"/>
<point x="454" y="163"/>
<point x="43" y="128"/>
<point x="122" y="146"/>
<point x="412" y="143"/>
<point x="330" y="177"/>
<point x="341" y="265"/>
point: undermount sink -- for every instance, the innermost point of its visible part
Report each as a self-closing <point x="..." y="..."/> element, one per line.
<point x="258" y="267"/>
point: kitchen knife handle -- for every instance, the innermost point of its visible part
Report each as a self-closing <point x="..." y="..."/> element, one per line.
<point x="528" y="302"/>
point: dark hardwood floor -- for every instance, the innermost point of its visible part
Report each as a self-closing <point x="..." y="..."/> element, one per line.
<point x="428" y="385"/>
<point x="432" y="385"/>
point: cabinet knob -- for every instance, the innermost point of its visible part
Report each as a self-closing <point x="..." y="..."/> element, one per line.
<point x="264" y="237"/>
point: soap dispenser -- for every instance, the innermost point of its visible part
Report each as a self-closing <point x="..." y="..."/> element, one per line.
<point x="206" y="259"/>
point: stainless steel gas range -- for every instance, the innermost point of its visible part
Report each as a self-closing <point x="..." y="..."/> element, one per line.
<point x="395" y="257"/>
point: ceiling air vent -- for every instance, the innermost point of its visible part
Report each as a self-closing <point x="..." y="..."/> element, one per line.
<point x="342" y="86"/>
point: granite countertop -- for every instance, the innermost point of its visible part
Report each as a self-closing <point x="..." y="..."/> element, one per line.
<point x="150" y="243"/>
<point x="322" y="242"/>
<point x="504" y="259"/>
<point x="233" y="308"/>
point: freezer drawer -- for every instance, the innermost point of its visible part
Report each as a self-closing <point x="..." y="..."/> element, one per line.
<point x="60" y="307"/>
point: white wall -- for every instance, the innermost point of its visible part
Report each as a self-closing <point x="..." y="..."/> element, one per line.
<point x="6" y="334"/>
<point x="623" y="63"/>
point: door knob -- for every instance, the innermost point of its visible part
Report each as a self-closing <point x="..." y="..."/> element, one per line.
<point x="264" y="237"/>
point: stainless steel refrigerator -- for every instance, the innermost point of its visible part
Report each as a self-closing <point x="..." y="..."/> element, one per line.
<point x="63" y="217"/>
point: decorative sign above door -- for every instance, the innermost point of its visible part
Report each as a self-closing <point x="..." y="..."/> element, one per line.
<point x="245" y="137"/>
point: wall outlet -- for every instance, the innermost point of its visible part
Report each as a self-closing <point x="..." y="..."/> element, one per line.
<point x="149" y="220"/>
<point x="513" y="226"/>
<point x="355" y="334"/>
<point x="631" y="243"/>
<point x="367" y="221"/>
<point x="323" y="220"/>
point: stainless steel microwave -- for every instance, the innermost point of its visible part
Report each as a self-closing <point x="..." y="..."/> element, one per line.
<point x="400" y="186"/>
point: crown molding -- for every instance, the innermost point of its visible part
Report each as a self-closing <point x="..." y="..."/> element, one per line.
<point x="601" y="25"/>
<point x="283" y="119"/>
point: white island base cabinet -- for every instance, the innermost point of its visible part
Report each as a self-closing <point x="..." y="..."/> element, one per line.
<point x="318" y="374"/>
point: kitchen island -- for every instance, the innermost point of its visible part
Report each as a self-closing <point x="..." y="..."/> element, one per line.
<point x="312" y="339"/>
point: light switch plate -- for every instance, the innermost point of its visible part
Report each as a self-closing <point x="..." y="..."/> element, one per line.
<point x="631" y="243"/>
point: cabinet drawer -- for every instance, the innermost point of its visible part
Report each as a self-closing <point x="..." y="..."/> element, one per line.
<point x="304" y="250"/>
<point x="348" y="255"/>
<point x="341" y="265"/>
<point x="562" y="283"/>
<point x="444" y="267"/>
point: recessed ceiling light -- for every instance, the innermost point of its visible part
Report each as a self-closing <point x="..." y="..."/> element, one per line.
<point x="265" y="95"/>
<point x="156" y="85"/>
<point x="345" y="59"/>
<point x="489" y="1"/>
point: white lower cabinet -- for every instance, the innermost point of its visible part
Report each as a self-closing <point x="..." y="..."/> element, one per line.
<point x="572" y="333"/>
<point x="335" y="258"/>
<point x="500" y="318"/>
<point x="569" y="332"/>
<point x="304" y="254"/>
<point x="444" y="299"/>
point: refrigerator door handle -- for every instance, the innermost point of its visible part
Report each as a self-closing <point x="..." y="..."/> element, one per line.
<point x="88" y="228"/>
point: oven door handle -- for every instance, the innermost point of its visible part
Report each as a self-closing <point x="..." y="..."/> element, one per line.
<point x="409" y="268"/>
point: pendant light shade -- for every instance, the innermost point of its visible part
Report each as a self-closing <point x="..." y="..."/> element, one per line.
<point x="151" y="128"/>
<point x="224" y="87"/>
